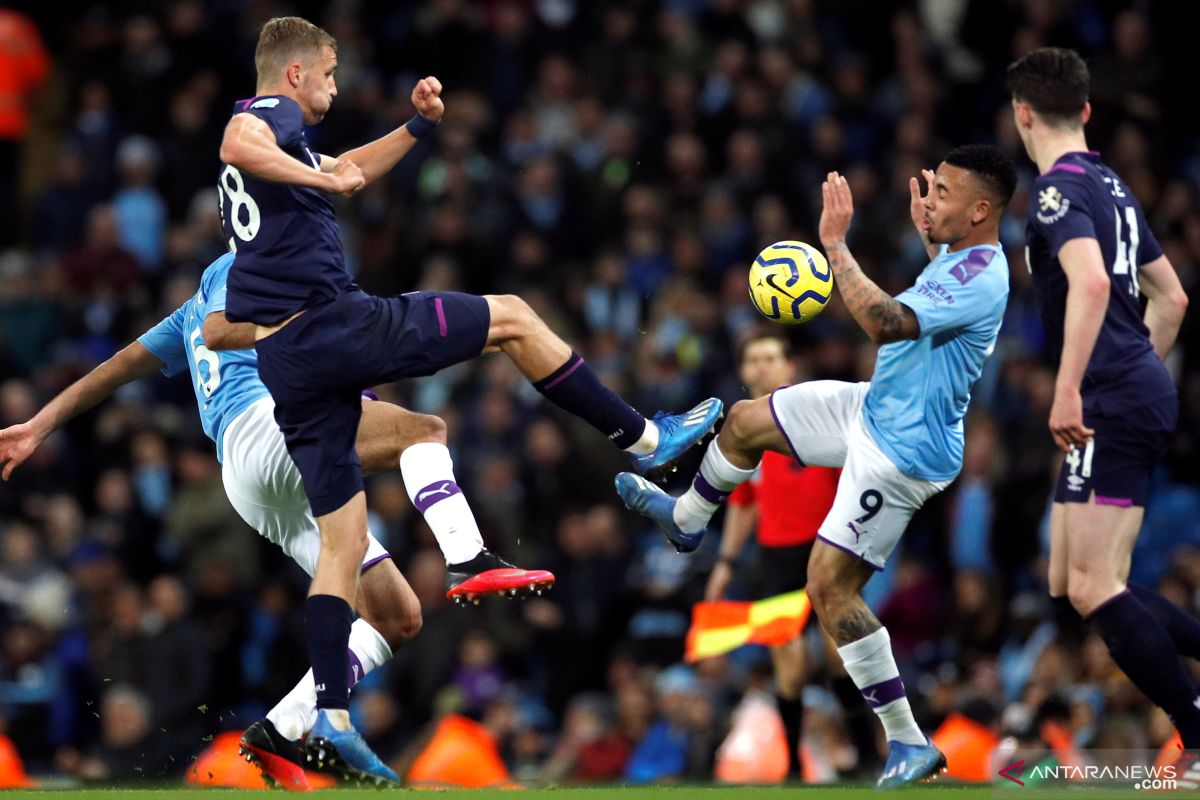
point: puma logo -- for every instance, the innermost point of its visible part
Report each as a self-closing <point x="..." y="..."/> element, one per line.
<point x="443" y="489"/>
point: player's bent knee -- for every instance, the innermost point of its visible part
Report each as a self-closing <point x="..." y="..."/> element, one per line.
<point x="512" y="318"/>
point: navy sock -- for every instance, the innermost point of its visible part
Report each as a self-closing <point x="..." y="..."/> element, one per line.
<point x="573" y="387"/>
<point x="1143" y="649"/>
<point x="791" y="710"/>
<point x="327" y="621"/>
<point x="1182" y="626"/>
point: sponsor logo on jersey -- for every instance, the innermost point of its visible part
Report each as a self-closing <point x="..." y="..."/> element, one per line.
<point x="1052" y="206"/>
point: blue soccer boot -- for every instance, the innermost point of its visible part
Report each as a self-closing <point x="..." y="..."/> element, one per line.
<point x="345" y="753"/>
<point x="909" y="763"/>
<point x="645" y="498"/>
<point x="677" y="433"/>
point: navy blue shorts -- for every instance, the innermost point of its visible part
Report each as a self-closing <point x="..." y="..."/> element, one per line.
<point x="1117" y="463"/>
<point x="318" y="364"/>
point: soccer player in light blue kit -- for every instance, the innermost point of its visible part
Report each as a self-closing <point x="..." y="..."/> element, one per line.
<point x="265" y="488"/>
<point x="898" y="438"/>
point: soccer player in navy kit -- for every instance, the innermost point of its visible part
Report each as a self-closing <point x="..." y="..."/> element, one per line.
<point x="320" y="339"/>
<point x="1094" y="259"/>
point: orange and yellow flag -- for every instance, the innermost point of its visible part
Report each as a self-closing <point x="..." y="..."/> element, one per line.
<point x="724" y="625"/>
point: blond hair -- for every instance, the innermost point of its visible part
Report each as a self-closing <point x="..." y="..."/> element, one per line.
<point x="282" y="40"/>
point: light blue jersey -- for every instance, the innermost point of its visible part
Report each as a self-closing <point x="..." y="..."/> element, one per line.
<point x="921" y="387"/>
<point x="225" y="383"/>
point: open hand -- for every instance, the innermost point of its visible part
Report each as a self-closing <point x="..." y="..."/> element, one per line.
<point x="916" y="206"/>
<point x="838" y="209"/>
<point x="347" y="178"/>
<point x="427" y="98"/>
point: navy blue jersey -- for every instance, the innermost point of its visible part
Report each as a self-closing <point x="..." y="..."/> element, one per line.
<point x="289" y="253"/>
<point x="1080" y="197"/>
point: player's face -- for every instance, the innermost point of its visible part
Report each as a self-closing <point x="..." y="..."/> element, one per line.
<point x="317" y="87"/>
<point x="953" y="208"/>
<point x="765" y="367"/>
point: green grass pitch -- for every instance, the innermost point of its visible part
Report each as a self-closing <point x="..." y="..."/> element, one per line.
<point x="944" y="792"/>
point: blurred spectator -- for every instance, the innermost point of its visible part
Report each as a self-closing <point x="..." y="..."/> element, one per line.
<point x="24" y="64"/>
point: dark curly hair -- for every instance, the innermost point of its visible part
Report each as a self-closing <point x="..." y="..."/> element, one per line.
<point x="1053" y="81"/>
<point x="990" y="166"/>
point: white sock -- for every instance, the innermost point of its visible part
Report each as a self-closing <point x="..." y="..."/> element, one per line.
<point x="296" y="713"/>
<point x="711" y="487"/>
<point x="647" y="443"/>
<point x="870" y="663"/>
<point x="428" y="475"/>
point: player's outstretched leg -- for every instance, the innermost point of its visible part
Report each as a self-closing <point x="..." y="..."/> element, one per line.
<point x="835" y="580"/>
<point x="1090" y="547"/>
<point x="388" y="435"/>
<point x="564" y="379"/>
<point x="730" y="460"/>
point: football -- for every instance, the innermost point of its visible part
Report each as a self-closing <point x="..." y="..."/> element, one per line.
<point x="790" y="282"/>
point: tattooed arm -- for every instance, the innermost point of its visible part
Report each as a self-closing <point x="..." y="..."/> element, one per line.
<point x="884" y="318"/>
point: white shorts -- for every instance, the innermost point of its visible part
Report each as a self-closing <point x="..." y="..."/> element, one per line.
<point x="266" y="490"/>
<point x="823" y="423"/>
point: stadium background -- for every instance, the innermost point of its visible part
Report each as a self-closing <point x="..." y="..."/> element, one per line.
<point x="617" y="164"/>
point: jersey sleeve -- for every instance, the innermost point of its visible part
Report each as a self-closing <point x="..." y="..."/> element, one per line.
<point x="1060" y="211"/>
<point x="165" y="341"/>
<point x="957" y="292"/>
<point x="282" y="115"/>
<point x="1148" y="247"/>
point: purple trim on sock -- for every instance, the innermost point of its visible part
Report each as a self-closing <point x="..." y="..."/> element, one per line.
<point x="884" y="692"/>
<point x="848" y="551"/>
<point x="1122" y="502"/>
<point x="434" y="493"/>
<point x="1112" y="599"/>
<point x="441" y="315"/>
<point x="792" y="447"/>
<point x="366" y="566"/>
<point x="566" y="374"/>
<point x="367" y="393"/>
<point x="354" y="671"/>
<point x="1069" y="168"/>
<point x="708" y="491"/>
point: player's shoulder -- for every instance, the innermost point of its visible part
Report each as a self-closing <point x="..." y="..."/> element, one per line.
<point x="1060" y="189"/>
<point x="215" y="275"/>
<point x="265" y="105"/>
<point x="984" y="263"/>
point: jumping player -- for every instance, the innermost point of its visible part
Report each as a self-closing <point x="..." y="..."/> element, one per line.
<point x="766" y="506"/>
<point x="1093" y="258"/>
<point x="265" y="488"/>
<point x="898" y="438"/>
<point x="320" y="339"/>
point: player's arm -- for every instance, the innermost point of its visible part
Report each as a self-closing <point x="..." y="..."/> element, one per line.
<point x="883" y="317"/>
<point x="249" y="145"/>
<point x="378" y="157"/>
<point x="1166" y="302"/>
<point x="916" y="208"/>
<point x="1087" y="302"/>
<point x="221" y="334"/>
<point x="18" y="442"/>
<point x="739" y="524"/>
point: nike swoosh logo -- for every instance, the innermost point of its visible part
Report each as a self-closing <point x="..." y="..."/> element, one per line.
<point x="778" y="288"/>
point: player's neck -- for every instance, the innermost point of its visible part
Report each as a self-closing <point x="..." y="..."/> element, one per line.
<point x="1054" y="143"/>
<point x="274" y="90"/>
<point x="989" y="235"/>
